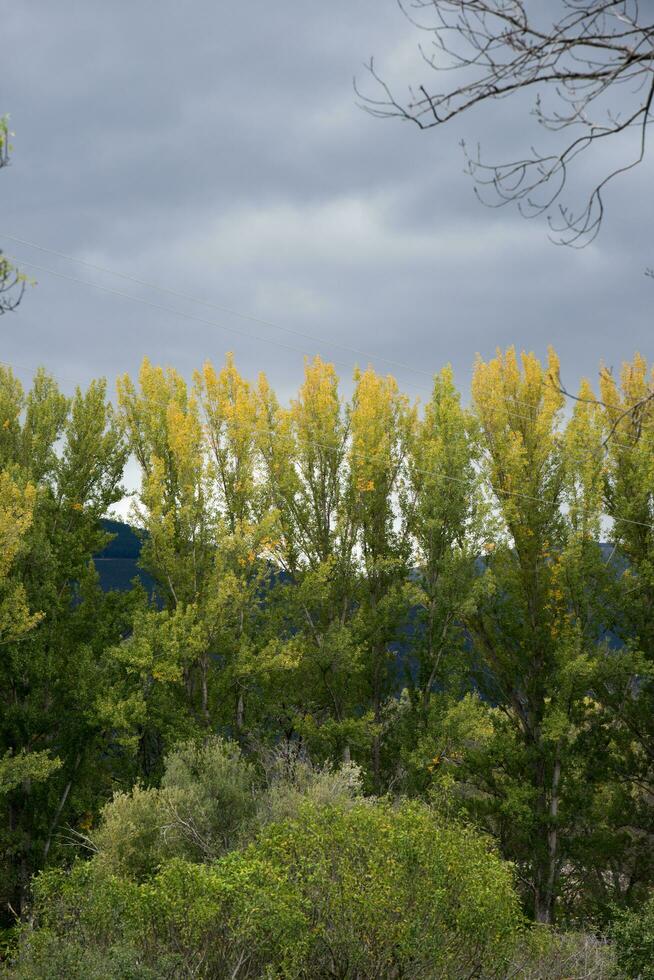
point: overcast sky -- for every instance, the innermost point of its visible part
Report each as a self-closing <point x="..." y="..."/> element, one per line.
<point x="217" y="148"/>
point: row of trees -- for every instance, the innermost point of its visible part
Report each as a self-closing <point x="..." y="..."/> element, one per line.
<point x="421" y="590"/>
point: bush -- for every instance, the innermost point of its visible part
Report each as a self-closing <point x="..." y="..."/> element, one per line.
<point x="47" y="956"/>
<point x="368" y="890"/>
<point x="633" y="936"/>
<point x="130" y="838"/>
<point x="211" y="793"/>
<point x="205" y="805"/>
<point x="550" y="955"/>
<point x="394" y="892"/>
<point x="293" y="779"/>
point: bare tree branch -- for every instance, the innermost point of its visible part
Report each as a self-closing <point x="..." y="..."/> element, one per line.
<point x="635" y="411"/>
<point x="575" y="65"/>
<point x="12" y="282"/>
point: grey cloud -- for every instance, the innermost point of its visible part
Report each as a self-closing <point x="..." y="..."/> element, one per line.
<point x="218" y="149"/>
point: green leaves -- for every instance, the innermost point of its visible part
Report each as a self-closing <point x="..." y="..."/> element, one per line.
<point x="15" y="769"/>
<point x="60" y="465"/>
<point x="370" y="889"/>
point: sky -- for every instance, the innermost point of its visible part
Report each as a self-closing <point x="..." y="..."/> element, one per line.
<point x="218" y="150"/>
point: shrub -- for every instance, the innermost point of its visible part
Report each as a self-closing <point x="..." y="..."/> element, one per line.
<point x="210" y="791"/>
<point x="205" y="805"/>
<point x="368" y="890"/>
<point x="394" y="892"/>
<point x="633" y="936"/>
<point x="130" y="839"/>
<point x="293" y="779"/>
<point x="547" y="954"/>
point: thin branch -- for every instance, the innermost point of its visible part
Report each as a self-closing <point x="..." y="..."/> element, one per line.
<point x="593" y="48"/>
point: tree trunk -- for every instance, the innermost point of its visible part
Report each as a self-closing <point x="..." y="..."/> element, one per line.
<point x="545" y="893"/>
<point x="240" y="712"/>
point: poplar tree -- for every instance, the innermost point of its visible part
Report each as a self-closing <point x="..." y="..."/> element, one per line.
<point x="535" y="639"/>
<point x="61" y="461"/>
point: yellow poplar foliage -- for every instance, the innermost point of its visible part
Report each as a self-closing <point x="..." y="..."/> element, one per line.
<point x="16" y="506"/>
<point x="316" y="413"/>
<point x="628" y="417"/>
<point x="166" y="435"/>
<point x="315" y="420"/>
<point x="442" y="474"/>
<point x="584" y="456"/>
<point x="518" y="406"/>
<point x="229" y="405"/>
<point x="380" y="419"/>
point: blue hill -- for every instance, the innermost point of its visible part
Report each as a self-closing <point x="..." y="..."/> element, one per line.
<point x="117" y="564"/>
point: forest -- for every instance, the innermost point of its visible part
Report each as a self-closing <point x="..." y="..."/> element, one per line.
<point x="389" y="710"/>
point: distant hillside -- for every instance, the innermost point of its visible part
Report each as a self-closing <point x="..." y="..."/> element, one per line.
<point x="117" y="563"/>
<point x="117" y="567"/>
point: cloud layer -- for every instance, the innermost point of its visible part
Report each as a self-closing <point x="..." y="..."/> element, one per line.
<point x="218" y="150"/>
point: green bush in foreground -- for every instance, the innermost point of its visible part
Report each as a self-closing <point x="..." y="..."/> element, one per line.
<point x="370" y="891"/>
<point x="633" y="936"/>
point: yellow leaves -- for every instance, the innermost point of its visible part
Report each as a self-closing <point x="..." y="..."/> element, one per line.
<point x="628" y="428"/>
<point x="229" y="404"/>
<point x="86" y="821"/>
<point x="315" y="420"/>
<point x="518" y="406"/>
<point x="584" y="459"/>
<point x="318" y="405"/>
<point x="16" y="508"/>
<point x="508" y="395"/>
<point x="186" y="444"/>
<point x="379" y="422"/>
<point x="628" y="416"/>
<point x="149" y="413"/>
<point x="232" y="432"/>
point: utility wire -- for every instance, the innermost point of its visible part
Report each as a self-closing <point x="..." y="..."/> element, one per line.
<point x="170" y="309"/>
<point x="204" y="321"/>
<point x="215" y="306"/>
<point x="233" y="312"/>
<point x="222" y="309"/>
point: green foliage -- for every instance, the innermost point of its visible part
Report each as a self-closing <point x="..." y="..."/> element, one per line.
<point x="394" y="891"/>
<point x="545" y="954"/>
<point x="369" y="598"/>
<point x="292" y="780"/>
<point x="633" y="936"/>
<point x="61" y="460"/>
<point x="130" y="838"/>
<point x="15" y="769"/>
<point x="49" y="957"/>
<point x="206" y="803"/>
<point x="367" y="891"/>
<point x="210" y="790"/>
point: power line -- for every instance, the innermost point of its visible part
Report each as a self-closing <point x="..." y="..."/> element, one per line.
<point x="213" y="306"/>
<point x="588" y="454"/>
<point x="204" y="321"/>
<point x="229" y="310"/>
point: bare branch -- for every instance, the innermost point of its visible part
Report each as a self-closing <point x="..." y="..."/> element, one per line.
<point x="12" y="282"/>
<point x="580" y="60"/>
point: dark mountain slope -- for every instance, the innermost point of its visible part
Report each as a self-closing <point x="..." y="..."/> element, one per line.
<point x="117" y="564"/>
